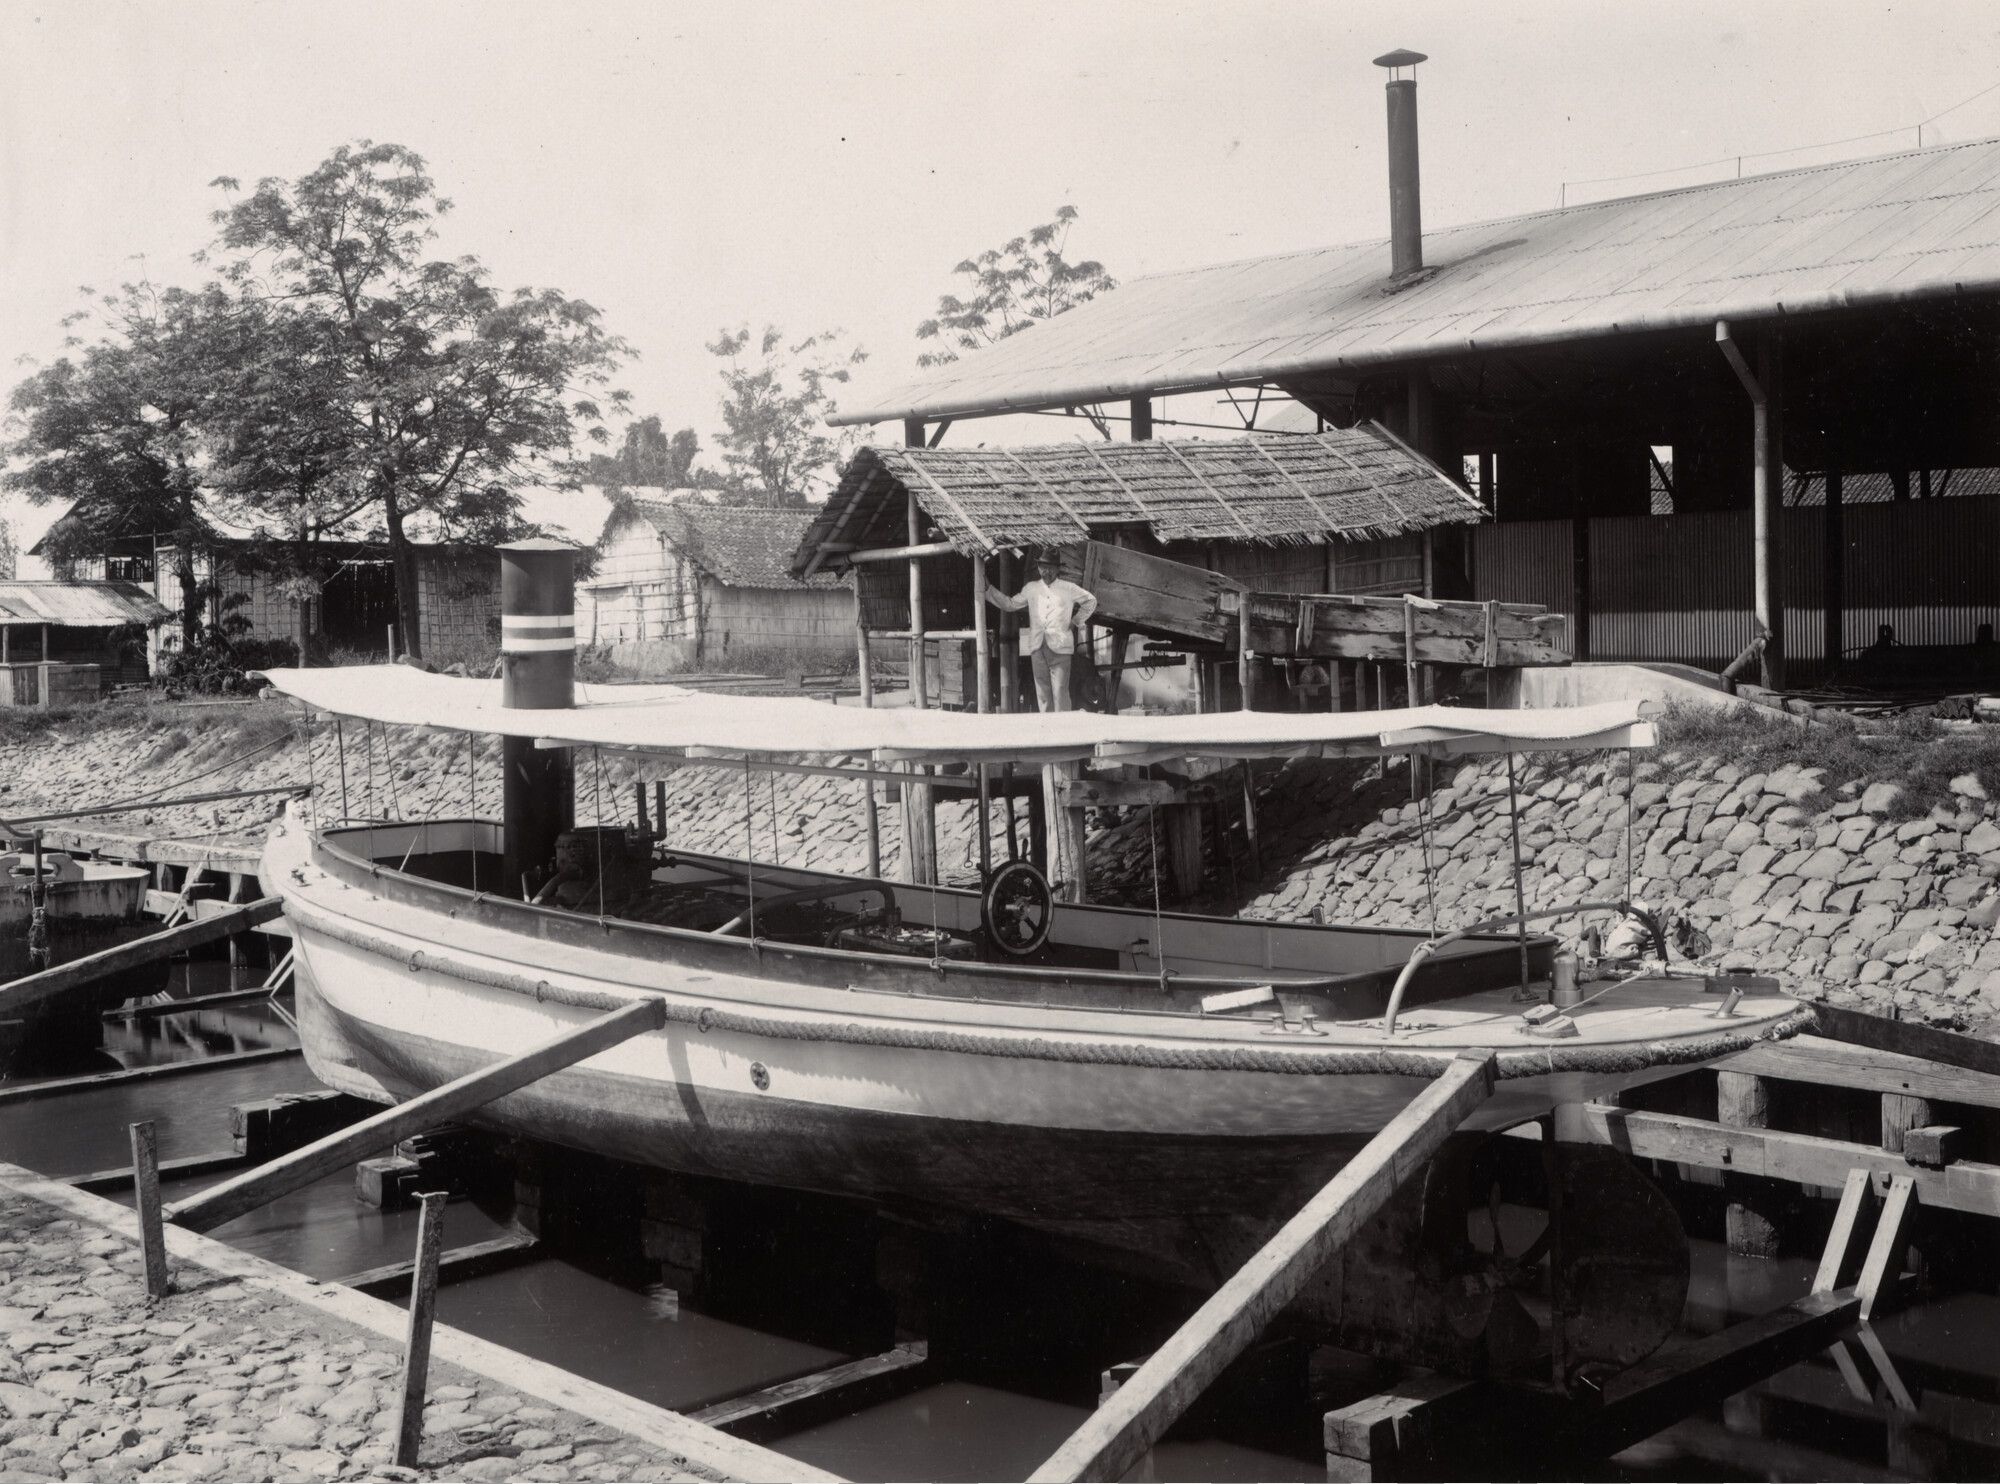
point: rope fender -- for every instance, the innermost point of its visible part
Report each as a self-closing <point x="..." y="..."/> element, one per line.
<point x="1332" y="1062"/>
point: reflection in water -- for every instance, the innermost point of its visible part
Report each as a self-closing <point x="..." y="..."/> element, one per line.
<point x="124" y="1039"/>
<point x="662" y="1353"/>
<point x="957" y="1430"/>
<point x="1915" y="1395"/>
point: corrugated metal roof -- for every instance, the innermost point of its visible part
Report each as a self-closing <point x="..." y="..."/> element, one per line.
<point x="744" y="546"/>
<point x="82" y="605"/>
<point x="1358" y="483"/>
<point x="1914" y="225"/>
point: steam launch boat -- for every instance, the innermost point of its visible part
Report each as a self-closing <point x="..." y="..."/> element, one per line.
<point x="1163" y="1084"/>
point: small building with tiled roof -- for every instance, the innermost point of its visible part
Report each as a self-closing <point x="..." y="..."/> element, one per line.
<point x="683" y="584"/>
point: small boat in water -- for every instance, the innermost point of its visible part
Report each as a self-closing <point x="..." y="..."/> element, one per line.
<point x="55" y="908"/>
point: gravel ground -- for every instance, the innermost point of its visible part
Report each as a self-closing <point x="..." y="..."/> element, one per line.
<point x="225" y="1381"/>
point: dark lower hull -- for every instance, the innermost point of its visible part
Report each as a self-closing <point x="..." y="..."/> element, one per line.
<point x="1076" y="1178"/>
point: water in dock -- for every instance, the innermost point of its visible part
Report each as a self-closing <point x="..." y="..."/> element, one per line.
<point x="1916" y="1397"/>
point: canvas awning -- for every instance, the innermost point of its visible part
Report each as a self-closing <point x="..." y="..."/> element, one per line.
<point x="674" y="719"/>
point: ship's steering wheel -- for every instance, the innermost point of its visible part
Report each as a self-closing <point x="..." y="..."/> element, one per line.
<point x="1017" y="909"/>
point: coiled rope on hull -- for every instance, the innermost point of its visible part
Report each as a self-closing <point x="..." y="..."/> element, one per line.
<point x="1330" y="1062"/>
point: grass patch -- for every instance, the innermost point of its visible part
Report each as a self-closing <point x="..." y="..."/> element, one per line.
<point x="1916" y="752"/>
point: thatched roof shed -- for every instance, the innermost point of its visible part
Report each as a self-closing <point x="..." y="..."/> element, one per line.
<point x="1353" y="484"/>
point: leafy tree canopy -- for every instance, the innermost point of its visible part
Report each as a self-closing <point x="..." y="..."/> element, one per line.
<point x="1010" y="287"/>
<point x="776" y="397"/>
<point x="394" y="385"/>
<point x="117" y="428"/>
<point x="649" y="457"/>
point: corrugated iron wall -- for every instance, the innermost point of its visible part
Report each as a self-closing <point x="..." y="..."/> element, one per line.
<point x="1679" y="587"/>
<point x="1527" y="561"/>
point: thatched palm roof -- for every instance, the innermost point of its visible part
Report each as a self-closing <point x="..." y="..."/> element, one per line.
<point x="1350" y="483"/>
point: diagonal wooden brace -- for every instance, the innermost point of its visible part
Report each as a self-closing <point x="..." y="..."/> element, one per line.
<point x="1133" y="1418"/>
<point x="258" y="1187"/>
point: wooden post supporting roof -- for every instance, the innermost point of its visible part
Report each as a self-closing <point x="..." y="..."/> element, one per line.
<point x="1129" y="1422"/>
<point x="919" y="822"/>
<point x="253" y="1188"/>
<point x="1767" y="495"/>
<point x="1833" y="576"/>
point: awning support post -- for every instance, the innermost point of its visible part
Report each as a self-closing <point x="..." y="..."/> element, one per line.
<point x="919" y="825"/>
<point x="983" y="691"/>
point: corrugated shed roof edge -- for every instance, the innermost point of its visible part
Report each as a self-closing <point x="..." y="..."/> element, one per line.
<point x="1745" y="307"/>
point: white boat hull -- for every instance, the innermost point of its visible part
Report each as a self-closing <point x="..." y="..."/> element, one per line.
<point x="1031" y="1111"/>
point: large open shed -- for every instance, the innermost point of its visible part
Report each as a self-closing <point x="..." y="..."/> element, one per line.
<point x="1773" y="336"/>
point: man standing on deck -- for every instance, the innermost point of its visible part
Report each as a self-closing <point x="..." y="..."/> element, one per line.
<point x="1057" y="608"/>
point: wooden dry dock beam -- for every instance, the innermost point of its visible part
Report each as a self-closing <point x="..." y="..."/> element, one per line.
<point x="77" y="973"/>
<point x="1434" y="1426"/>
<point x="1129" y="1422"/>
<point x="253" y="1188"/>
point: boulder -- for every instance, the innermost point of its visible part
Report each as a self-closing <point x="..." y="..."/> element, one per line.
<point x="1741" y="837"/>
<point x="1873" y="920"/>
<point x="1983" y="838"/>
<point x="1755" y="937"/>
<point x="1878" y="798"/>
<point x="1967" y="785"/>
<point x="1824" y="865"/>
<point x="1757" y="859"/>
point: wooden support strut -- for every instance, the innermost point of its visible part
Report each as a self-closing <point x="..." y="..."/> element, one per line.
<point x="417" y="1346"/>
<point x="1120" y="1431"/>
<point x="146" y="1199"/>
<point x="246" y="1192"/>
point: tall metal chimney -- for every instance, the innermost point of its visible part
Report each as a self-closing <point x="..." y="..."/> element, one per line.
<point x="1406" y="212"/>
<point x="537" y="673"/>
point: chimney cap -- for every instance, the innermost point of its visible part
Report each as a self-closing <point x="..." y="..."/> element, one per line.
<point x="1400" y="58"/>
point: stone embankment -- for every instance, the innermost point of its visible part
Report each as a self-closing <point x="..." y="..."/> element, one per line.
<point x="1778" y="871"/>
<point x="1813" y="878"/>
<point x="227" y="1381"/>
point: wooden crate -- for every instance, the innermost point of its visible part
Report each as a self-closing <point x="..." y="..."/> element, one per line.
<point x="21" y="684"/>
<point x="1366" y="628"/>
<point x="69" y="685"/>
<point x="1152" y="595"/>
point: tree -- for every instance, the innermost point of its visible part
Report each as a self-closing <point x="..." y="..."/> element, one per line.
<point x="10" y="552"/>
<point x="115" y="429"/>
<point x="1011" y="287"/>
<point x="774" y="408"/>
<point x="429" y="390"/>
<point x="649" y="457"/>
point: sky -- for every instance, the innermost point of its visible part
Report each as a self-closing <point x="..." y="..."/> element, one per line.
<point x="688" y="167"/>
